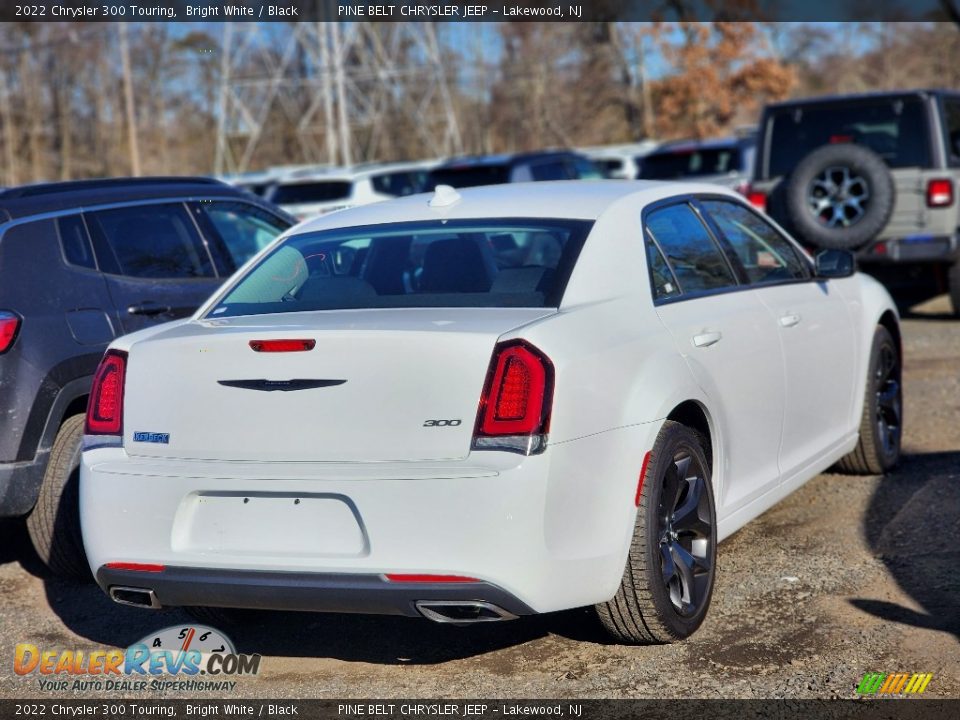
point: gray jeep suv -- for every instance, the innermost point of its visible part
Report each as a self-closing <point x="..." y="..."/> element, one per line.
<point x="80" y="264"/>
<point x="874" y="173"/>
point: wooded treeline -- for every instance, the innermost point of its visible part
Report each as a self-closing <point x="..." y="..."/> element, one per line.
<point x="519" y="86"/>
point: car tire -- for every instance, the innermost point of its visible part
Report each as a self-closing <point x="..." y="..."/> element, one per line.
<point x="850" y="184"/>
<point x="881" y="422"/>
<point x="953" y="284"/>
<point x="659" y="602"/>
<point x="54" y="522"/>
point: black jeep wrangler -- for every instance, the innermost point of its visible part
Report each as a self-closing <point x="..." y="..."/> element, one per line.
<point x="874" y="173"/>
<point x="80" y="264"/>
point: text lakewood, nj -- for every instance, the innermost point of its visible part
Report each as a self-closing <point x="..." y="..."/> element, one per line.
<point x="456" y="11"/>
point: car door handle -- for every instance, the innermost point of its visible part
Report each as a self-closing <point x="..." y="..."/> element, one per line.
<point x="706" y="339"/>
<point x="789" y="320"/>
<point x="148" y="307"/>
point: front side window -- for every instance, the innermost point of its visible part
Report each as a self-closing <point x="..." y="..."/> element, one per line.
<point x="696" y="261"/>
<point x="245" y="229"/>
<point x="156" y="241"/>
<point x="468" y="263"/>
<point x="765" y="254"/>
<point x="550" y="170"/>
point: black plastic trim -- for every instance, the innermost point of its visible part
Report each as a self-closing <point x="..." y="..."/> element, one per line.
<point x="311" y="592"/>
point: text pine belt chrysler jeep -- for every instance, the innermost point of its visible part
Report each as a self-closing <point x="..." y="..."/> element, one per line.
<point x="469" y="407"/>
<point x="82" y="263"/>
<point x="875" y="173"/>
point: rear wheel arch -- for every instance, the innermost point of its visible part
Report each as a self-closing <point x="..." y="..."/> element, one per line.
<point x="890" y="322"/>
<point x="696" y="417"/>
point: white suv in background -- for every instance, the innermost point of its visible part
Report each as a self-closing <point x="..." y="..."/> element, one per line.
<point x="306" y="193"/>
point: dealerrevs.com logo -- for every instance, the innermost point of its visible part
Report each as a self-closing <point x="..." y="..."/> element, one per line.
<point x="894" y="683"/>
<point x="179" y="658"/>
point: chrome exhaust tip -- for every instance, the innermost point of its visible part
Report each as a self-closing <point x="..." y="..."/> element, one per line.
<point x="459" y="612"/>
<point x="137" y="597"/>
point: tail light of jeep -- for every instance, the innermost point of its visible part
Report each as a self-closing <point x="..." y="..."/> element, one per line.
<point x="9" y="327"/>
<point x="105" y="406"/>
<point x="940" y="193"/>
<point x="756" y="198"/>
<point x="514" y="412"/>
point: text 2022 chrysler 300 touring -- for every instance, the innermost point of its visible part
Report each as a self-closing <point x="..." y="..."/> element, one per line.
<point x="479" y="405"/>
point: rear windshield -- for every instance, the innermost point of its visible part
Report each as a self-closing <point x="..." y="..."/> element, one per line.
<point x="469" y="176"/>
<point x="678" y="164"/>
<point x="311" y="192"/>
<point x="476" y="263"/>
<point x="892" y="128"/>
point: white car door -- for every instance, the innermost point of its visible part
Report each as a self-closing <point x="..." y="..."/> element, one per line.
<point x="723" y="332"/>
<point x="815" y="330"/>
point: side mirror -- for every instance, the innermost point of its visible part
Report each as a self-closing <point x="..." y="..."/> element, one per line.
<point x="835" y="264"/>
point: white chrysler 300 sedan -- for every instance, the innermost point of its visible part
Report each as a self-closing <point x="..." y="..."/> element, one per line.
<point x="473" y="407"/>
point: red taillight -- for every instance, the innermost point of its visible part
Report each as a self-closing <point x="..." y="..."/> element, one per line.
<point x="416" y="578"/>
<point x="757" y="199"/>
<point x="517" y="396"/>
<point x="940" y="193"/>
<point x="282" y="345"/>
<point x="105" y="407"/>
<point x="136" y="567"/>
<point x="9" y="326"/>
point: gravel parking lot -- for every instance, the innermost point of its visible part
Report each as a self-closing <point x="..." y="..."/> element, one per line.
<point x="848" y="575"/>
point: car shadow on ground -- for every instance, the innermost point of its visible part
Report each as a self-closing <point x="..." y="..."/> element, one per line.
<point x="912" y="524"/>
<point x="87" y="612"/>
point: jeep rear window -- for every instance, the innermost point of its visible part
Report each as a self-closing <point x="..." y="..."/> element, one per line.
<point x="894" y="129"/>
<point x="311" y="192"/>
<point x="469" y="263"/>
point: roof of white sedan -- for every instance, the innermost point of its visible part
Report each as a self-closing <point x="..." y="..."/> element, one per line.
<point x="571" y="199"/>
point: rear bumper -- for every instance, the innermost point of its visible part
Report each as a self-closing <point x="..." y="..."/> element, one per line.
<point x="916" y="248"/>
<point x="548" y="531"/>
<point x="314" y="592"/>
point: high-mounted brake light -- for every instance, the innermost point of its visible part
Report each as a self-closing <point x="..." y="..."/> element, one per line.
<point x="105" y="407"/>
<point x="282" y="345"/>
<point x="940" y="193"/>
<point x="514" y="412"/>
<point x="9" y="326"/>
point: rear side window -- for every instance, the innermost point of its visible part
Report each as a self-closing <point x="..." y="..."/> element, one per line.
<point x="311" y="192"/>
<point x="664" y="284"/>
<point x="951" y="126"/>
<point x="76" y="244"/>
<point x="149" y="241"/>
<point x="696" y="261"/>
<point x="765" y="254"/>
<point x="895" y="129"/>
<point x="488" y="263"/>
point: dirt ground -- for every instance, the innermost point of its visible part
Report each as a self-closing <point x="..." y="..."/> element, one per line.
<point x="846" y="576"/>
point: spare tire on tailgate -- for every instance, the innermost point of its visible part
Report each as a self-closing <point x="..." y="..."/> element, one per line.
<point x="839" y="197"/>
